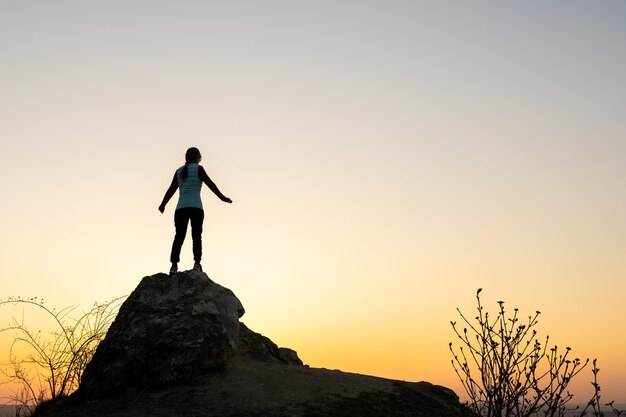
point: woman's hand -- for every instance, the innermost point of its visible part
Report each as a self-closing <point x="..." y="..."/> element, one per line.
<point x="227" y="200"/>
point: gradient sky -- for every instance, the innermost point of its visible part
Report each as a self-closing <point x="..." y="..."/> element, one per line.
<point x="385" y="159"/>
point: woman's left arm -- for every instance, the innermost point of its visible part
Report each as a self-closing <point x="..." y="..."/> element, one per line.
<point x="205" y="179"/>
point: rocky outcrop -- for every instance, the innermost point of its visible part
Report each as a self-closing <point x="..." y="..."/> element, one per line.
<point x="177" y="348"/>
<point x="169" y="331"/>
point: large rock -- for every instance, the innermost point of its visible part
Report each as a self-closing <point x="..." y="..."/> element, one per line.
<point x="170" y="330"/>
<point x="177" y="348"/>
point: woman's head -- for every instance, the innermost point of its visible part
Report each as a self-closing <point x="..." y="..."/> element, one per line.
<point x="192" y="155"/>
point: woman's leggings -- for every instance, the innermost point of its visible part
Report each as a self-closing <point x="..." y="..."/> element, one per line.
<point x="182" y="217"/>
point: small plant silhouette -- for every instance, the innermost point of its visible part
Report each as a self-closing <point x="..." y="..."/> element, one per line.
<point x="593" y="406"/>
<point x="48" y="366"/>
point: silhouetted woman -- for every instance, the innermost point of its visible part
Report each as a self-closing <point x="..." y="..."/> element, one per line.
<point x="189" y="179"/>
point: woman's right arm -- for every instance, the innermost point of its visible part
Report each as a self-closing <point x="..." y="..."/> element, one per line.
<point x="169" y="193"/>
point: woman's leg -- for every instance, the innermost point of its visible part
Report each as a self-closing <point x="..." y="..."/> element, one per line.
<point x="181" y="219"/>
<point x="197" y="218"/>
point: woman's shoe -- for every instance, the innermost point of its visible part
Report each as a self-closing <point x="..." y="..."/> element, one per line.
<point x="174" y="269"/>
<point x="197" y="267"/>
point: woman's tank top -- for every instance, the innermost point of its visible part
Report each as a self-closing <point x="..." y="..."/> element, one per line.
<point x="189" y="188"/>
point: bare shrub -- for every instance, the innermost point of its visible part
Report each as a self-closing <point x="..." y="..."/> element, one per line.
<point x="507" y="371"/>
<point x="49" y="365"/>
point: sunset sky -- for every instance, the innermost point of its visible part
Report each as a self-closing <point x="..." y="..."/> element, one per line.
<point x="385" y="159"/>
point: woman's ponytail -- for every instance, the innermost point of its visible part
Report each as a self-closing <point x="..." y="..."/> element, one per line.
<point x="192" y="155"/>
<point x="183" y="172"/>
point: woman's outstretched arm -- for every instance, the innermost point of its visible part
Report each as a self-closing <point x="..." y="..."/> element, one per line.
<point x="169" y="193"/>
<point x="205" y="179"/>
